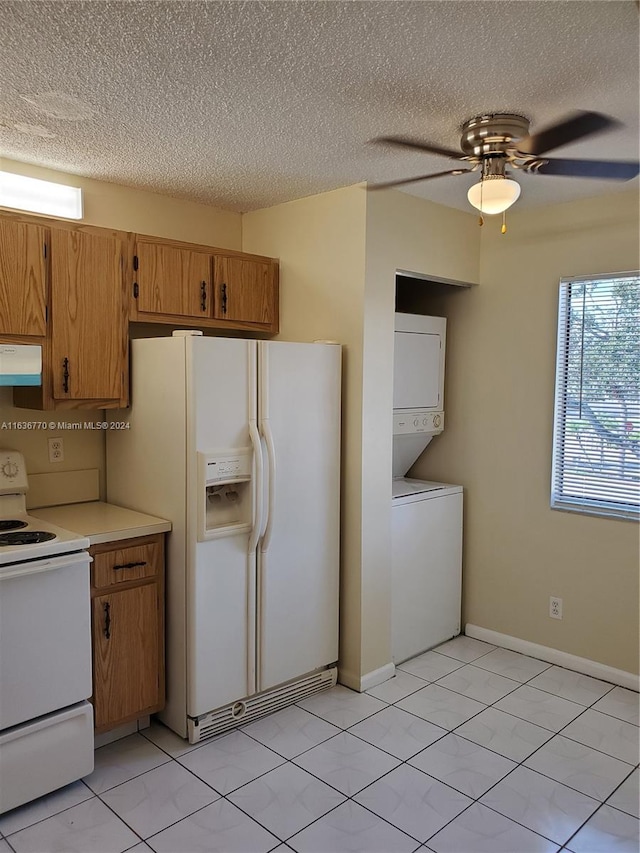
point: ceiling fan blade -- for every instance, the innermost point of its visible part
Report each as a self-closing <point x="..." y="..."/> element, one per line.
<point x="612" y="170"/>
<point x="574" y="127"/>
<point x="388" y="184"/>
<point x="416" y="144"/>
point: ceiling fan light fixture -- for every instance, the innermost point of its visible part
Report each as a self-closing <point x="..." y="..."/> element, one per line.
<point x="494" y="194"/>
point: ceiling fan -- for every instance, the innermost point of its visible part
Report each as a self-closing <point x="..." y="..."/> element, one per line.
<point x="490" y="144"/>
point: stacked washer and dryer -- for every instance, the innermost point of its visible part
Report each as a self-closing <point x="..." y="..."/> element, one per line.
<point x="426" y="516"/>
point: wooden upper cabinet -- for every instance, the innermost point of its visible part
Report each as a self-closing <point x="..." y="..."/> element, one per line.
<point x="22" y="278"/>
<point x="89" y="339"/>
<point x="246" y="290"/>
<point x="172" y="281"/>
<point x="214" y="288"/>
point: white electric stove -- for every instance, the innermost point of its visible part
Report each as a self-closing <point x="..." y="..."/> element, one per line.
<point x="46" y="722"/>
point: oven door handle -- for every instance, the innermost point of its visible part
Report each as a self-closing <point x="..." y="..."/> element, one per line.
<point x="33" y="567"/>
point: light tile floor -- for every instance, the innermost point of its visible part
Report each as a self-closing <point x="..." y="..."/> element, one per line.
<point x="468" y="749"/>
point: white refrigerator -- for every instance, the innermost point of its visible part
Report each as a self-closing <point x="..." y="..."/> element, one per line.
<point x="237" y="443"/>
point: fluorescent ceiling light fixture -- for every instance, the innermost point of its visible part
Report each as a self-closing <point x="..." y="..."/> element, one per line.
<point x="494" y="194"/>
<point x="37" y="196"/>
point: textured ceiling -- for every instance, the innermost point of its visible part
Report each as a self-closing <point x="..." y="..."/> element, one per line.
<point x="248" y="104"/>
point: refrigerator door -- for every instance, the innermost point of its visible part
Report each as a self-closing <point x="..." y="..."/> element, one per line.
<point x="221" y="571"/>
<point x="298" y="556"/>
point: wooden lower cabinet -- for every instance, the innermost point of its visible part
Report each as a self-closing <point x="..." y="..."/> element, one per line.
<point x="127" y="630"/>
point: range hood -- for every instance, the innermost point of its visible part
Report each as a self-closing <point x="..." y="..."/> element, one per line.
<point x="20" y="364"/>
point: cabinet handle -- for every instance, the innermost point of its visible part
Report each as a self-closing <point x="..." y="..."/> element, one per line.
<point x="65" y="375"/>
<point x="129" y="565"/>
<point x="203" y="296"/>
<point x="107" y="621"/>
<point x="223" y="291"/>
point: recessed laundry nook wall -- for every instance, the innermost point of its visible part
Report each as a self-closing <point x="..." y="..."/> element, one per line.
<point x="499" y="402"/>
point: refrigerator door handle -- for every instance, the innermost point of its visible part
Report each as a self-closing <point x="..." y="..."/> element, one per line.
<point x="271" y="454"/>
<point x="258" y="488"/>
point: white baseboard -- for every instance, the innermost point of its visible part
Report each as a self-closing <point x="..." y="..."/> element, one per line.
<point x="360" y="683"/>
<point x="555" y="656"/>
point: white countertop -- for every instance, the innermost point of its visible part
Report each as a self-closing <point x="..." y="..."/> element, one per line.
<point x="102" y="522"/>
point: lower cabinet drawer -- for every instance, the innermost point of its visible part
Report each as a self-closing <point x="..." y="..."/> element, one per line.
<point x="141" y="558"/>
<point x="45" y="754"/>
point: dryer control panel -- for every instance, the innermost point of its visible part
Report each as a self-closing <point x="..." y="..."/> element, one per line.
<point x="418" y="421"/>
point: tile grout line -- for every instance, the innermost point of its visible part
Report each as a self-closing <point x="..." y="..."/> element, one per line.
<point x="91" y="796"/>
<point x="387" y="704"/>
<point x="401" y="762"/>
<point x="405" y="762"/>
<point x="600" y="803"/>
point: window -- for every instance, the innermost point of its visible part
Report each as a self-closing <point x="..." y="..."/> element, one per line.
<point x="596" y="441"/>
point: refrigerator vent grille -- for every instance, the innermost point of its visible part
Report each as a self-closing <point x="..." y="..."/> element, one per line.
<point x="257" y="706"/>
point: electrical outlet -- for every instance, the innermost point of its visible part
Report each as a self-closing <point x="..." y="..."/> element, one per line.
<point x="555" y="607"/>
<point x="56" y="450"/>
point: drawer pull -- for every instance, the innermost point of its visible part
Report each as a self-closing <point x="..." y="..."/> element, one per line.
<point x="129" y="565"/>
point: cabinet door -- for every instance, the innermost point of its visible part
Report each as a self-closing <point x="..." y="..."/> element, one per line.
<point x="245" y="290"/>
<point x="173" y="281"/>
<point x="22" y="278"/>
<point x="88" y="342"/>
<point x="126" y="657"/>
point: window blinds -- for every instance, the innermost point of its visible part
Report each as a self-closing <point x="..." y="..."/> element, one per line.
<point x="596" y="443"/>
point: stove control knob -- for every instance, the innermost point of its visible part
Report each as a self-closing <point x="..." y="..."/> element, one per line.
<point x="437" y="420"/>
<point x="10" y="469"/>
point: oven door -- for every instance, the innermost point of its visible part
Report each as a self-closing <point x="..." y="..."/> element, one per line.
<point x="45" y="636"/>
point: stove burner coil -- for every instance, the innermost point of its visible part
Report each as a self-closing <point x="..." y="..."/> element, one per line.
<point x="30" y="537"/>
<point x="11" y="524"/>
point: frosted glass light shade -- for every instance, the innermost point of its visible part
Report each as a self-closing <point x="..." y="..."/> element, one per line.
<point x="36" y="196"/>
<point x="494" y="194"/>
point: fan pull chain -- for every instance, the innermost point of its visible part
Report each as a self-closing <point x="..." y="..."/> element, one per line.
<point x="503" y="230"/>
<point x="481" y="217"/>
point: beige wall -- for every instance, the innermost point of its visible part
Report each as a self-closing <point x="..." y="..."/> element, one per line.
<point x="110" y="206"/>
<point x="499" y="403"/>
<point x="320" y="241"/>
<point x="129" y="209"/>
<point x="82" y="448"/>
<point x="407" y="233"/>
